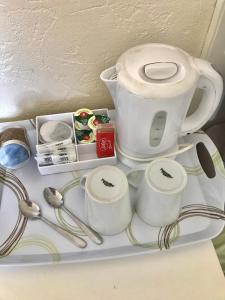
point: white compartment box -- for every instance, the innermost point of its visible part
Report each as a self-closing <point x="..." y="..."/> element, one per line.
<point x="86" y="153"/>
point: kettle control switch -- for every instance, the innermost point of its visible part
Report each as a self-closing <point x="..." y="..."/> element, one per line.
<point x="157" y="129"/>
<point x="160" y="70"/>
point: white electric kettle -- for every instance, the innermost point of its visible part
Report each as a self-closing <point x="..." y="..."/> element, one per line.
<point x="152" y="86"/>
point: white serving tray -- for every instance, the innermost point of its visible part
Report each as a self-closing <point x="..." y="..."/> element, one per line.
<point x="86" y="153"/>
<point x="41" y="245"/>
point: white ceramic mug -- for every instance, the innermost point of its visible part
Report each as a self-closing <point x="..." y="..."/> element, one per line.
<point x="107" y="200"/>
<point x="160" y="188"/>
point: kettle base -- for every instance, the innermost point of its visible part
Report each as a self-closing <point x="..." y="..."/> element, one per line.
<point x="132" y="162"/>
<point x="129" y="162"/>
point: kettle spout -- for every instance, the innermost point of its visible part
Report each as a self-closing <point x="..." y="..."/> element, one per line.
<point x="109" y="77"/>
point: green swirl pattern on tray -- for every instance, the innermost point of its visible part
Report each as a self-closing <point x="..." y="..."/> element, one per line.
<point x="58" y="212"/>
<point x="40" y="241"/>
<point x="219" y="241"/>
<point x="49" y="246"/>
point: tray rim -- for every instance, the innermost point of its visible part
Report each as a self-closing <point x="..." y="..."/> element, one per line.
<point x="139" y="251"/>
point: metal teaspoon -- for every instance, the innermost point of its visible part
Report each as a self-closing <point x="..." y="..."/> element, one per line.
<point x="55" y="198"/>
<point x="31" y="210"/>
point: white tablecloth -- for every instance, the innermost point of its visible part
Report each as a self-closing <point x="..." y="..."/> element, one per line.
<point x="190" y="273"/>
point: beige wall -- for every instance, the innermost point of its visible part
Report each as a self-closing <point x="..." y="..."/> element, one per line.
<point x="52" y="51"/>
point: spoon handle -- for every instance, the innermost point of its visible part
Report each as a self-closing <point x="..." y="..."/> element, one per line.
<point x="90" y="232"/>
<point x="75" y="239"/>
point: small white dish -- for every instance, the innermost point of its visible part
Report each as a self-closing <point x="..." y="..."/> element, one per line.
<point x="55" y="131"/>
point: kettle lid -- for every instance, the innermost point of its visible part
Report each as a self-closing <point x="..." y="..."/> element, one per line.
<point x="154" y="68"/>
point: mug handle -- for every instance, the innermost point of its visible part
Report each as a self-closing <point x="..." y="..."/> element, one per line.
<point x="133" y="176"/>
<point x="83" y="181"/>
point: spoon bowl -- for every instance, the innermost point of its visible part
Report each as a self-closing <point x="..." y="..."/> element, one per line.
<point x="53" y="197"/>
<point x="32" y="210"/>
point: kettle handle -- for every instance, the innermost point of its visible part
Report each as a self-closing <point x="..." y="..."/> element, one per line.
<point x="212" y="84"/>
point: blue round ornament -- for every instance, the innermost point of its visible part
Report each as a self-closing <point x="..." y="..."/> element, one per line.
<point x="13" y="155"/>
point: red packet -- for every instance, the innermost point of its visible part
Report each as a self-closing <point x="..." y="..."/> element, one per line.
<point x="105" y="140"/>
